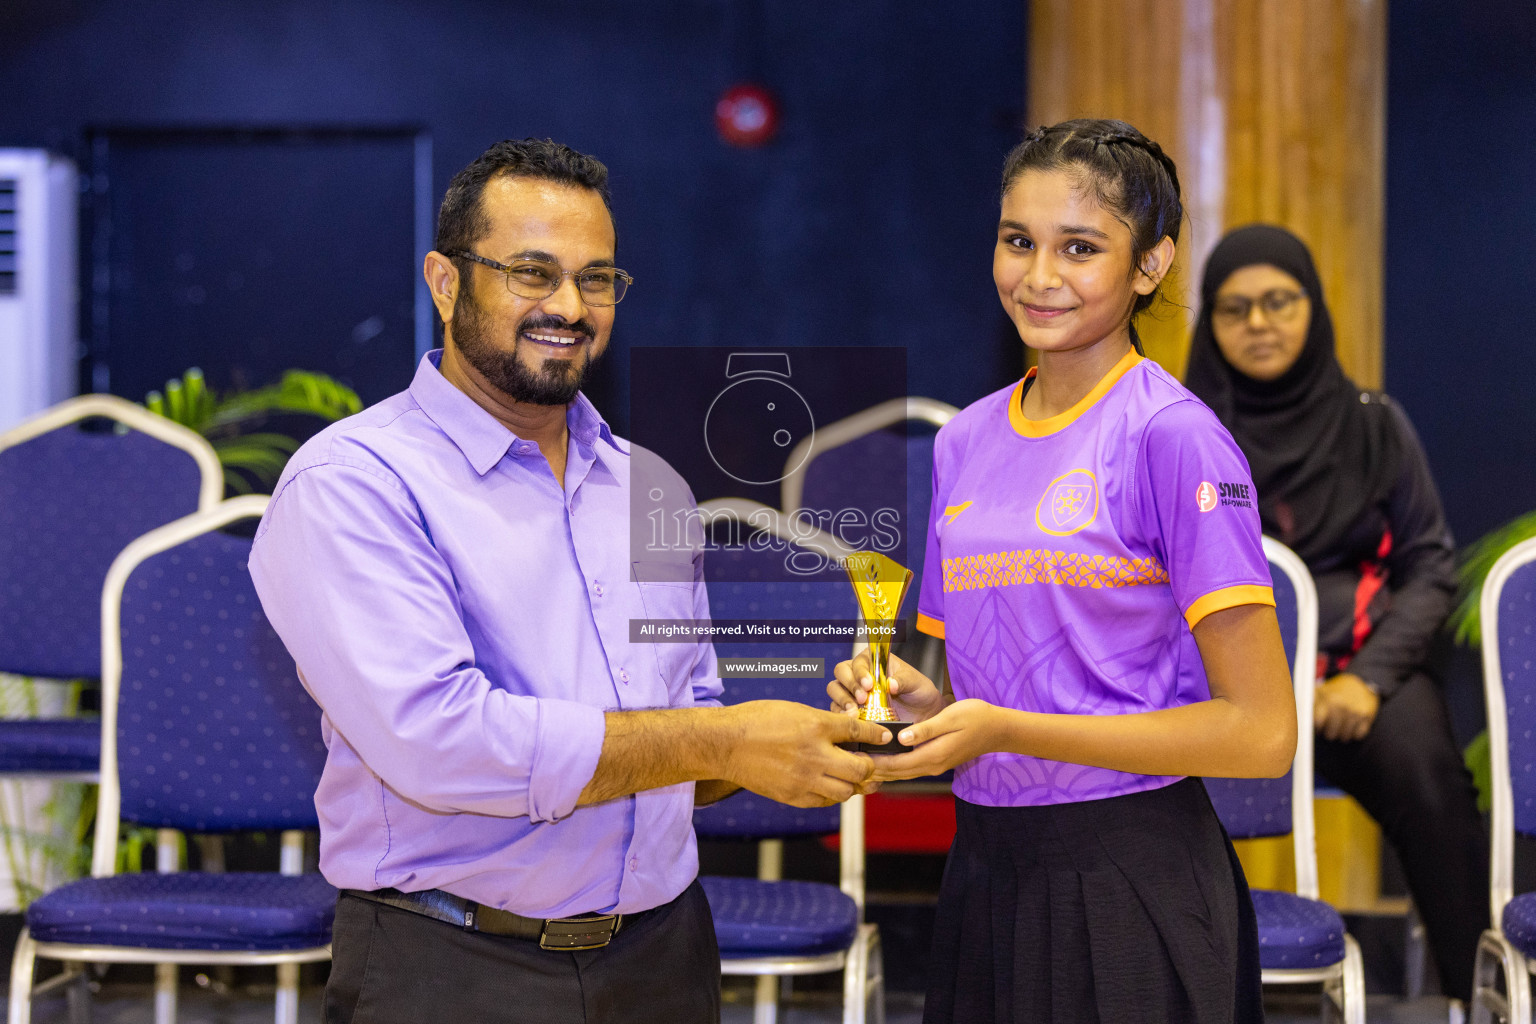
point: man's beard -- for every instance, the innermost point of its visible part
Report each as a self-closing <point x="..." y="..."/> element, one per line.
<point x="556" y="383"/>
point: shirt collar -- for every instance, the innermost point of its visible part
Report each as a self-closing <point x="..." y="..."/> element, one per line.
<point x="481" y="437"/>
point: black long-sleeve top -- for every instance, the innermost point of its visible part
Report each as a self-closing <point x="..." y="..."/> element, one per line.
<point x="1420" y="576"/>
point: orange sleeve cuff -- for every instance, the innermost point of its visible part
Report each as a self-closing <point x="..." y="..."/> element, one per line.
<point x="935" y="627"/>
<point x="1228" y="597"/>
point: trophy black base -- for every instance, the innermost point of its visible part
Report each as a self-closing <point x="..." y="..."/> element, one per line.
<point x="895" y="746"/>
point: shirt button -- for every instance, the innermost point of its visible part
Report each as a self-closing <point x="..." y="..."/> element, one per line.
<point x="634" y="863"/>
<point x="597" y="588"/>
<point x="624" y="674"/>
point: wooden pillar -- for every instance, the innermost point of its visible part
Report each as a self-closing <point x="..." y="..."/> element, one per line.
<point x="1274" y="110"/>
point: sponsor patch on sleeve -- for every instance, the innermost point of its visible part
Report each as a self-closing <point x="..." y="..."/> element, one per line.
<point x="1209" y="496"/>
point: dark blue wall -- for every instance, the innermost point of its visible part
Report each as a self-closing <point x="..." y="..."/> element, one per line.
<point x="868" y="222"/>
<point x="1461" y="233"/>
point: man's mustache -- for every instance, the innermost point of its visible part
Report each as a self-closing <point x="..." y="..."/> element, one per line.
<point x="555" y="323"/>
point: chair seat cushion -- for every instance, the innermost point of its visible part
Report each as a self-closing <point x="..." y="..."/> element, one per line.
<point x="190" y="910"/>
<point x="1295" y="932"/>
<point x="50" y="745"/>
<point x="1519" y="923"/>
<point x="754" y="918"/>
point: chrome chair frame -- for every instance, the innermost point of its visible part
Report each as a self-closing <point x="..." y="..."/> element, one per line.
<point x="1496" y="955"/>
<point x="1343" y="982"/>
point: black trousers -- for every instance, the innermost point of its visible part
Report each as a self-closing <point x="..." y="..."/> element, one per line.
<point x="392" y="965"/>
<point x="1409" y="776"/>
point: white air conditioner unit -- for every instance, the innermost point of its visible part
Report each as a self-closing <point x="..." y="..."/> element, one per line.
<point x="39" y="342"/>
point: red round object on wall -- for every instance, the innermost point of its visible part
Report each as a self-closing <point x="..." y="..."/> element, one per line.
<point x="746" y="115"/>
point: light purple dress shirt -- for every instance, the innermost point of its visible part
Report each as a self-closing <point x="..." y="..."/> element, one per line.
<point x="463" y="622"/>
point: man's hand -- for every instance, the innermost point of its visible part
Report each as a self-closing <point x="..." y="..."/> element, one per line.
<point x="912" y="691"/>
<point x="1345" y="708"/>
<point x="788" y="752"/>
<point x="962" y="731"/>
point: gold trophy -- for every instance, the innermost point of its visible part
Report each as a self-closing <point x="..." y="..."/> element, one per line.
<point x="880" y="584"/>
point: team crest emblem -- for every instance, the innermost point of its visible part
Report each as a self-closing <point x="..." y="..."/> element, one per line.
<point x="1070" y="503"/>
<point x="1205" y="496"/>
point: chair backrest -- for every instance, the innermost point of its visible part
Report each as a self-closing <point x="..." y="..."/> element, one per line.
<point x="1508" y="615"/>
<point x="1250" y="808"/>
<point x="848" y="465"/>
<point x="747" y="581"/>
<point x="70" y="500"/>
<point x="205" y="725"/>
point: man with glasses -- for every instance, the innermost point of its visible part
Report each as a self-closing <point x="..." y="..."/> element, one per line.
<point x="507" y="800"/>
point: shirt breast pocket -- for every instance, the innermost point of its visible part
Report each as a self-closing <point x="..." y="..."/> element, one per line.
<point x="666" y="592"/>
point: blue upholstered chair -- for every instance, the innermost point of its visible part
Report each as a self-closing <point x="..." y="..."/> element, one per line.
<point x="768" y="926"/>
<point x="205" y="728"/>
<point x="1301" y="939"/>
<point x="70" y="501"/>
<point x="1508" y="948"/>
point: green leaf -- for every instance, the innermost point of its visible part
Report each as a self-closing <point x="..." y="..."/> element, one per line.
<point x="298" y="391"/>
<point x="1479" y="760"/>
<point x="175" y="402"/>
<point x="1476" y="561"/>
<point x="199" y="400"/>
<point x="262" y="456"/>
<point x="185" y="400"/>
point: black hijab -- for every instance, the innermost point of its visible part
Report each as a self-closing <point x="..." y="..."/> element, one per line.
<point x="1322" y="451"/>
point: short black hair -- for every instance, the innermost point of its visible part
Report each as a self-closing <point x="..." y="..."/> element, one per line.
<point x="461" y="222"/>
<point x="1126" y="173"/>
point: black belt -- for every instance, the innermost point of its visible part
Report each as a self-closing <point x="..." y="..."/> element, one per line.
<point x="591" y="931"/>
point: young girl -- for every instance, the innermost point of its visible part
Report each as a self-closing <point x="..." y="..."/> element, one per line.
<point x="1095" y="568"/>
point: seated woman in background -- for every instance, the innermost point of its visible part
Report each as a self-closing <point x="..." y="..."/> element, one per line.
<point x="1342" y="480"/>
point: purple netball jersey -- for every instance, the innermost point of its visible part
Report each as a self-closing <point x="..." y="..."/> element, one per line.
<point x="1069" y="558"/>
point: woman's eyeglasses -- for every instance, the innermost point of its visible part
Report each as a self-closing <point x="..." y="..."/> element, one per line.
<point x="1279" y="306"/>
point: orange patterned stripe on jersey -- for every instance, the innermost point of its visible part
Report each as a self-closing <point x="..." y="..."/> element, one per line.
<point x="1063" y="568"/>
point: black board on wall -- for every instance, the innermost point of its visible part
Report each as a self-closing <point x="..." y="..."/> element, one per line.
<point x="247" y="252"/>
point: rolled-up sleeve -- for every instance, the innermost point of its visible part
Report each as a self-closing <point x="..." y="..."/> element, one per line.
<point x="349" y="577"/>
<point x="561" y="769"/>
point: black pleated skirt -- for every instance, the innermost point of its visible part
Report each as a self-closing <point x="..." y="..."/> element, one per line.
<point x="1119" y="911"/>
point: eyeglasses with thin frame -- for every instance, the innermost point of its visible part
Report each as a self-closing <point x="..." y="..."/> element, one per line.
<point x="537" y="279"/>
<point x="1279" y="306"/>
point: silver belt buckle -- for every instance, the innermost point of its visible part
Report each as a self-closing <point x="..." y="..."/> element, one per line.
<point x="593" y="931"/>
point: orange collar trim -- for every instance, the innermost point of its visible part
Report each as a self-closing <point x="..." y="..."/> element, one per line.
<point x="1046" y="427"/>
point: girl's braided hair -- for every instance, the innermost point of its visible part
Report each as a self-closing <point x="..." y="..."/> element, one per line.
<point x="1126" y="173"/>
